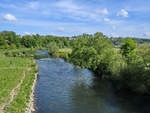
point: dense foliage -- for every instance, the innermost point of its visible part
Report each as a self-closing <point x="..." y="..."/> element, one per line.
<point x="128" y="63"/>
<point x="119" y="40"/>
<point x="9" y="39"/>
<point x="53" y="48"/>
<point x="98" y="54"/>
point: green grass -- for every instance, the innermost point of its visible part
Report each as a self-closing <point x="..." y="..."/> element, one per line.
<point x="16" y="50"/>
<point x="20" y="102"/>
<point x="11" y="72"/>
<point x="19" y="52"/>
<point x="65" y="50"/>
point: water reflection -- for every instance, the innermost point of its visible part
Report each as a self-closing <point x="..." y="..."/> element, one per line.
<point x="100" y="97"/>
<point x="63" y="88"/>
<point x="96" y="98"/>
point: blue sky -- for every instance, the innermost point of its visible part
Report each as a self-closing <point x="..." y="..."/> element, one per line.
<point x="74" y="17"/>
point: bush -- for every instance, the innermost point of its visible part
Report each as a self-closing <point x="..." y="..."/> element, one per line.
<point x="52" y="48"/>
<point x="98" y="55"/>
<point x="13" y="46"/>
<point x="136" y="78"/>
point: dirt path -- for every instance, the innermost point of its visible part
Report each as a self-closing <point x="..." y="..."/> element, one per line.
<point x="13" y="93"/>
<point x="30" y="107"/>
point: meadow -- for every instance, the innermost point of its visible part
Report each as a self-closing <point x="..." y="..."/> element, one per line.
<point x="16" y="78"/>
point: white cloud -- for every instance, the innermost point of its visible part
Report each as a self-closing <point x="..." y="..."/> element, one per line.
<point x="106" y="20"/>
<point x="114" y="35"/>
<point x="33" y="5"/>
<point x="27" y="33"/>
<point x="123" y="13"/>
<point x="60" y="29"/>
<point x="67" y="5"/>
<point x="113" y="22"/>
<point x="9" y="17"/>
<point x="102" y="12"/>
<point x="77" y="11"/>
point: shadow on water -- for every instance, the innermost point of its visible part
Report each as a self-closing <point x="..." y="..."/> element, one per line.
<point x="101" y="97"/>
<point x="63" y="88"/>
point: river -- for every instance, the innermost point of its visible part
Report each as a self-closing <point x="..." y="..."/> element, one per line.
<point x="64" y="88"/>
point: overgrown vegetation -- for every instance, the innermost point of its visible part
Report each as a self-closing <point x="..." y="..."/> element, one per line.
<point x="56" y="52"/>
<point x="25" y="52"/>
<point x="98" y="54"/>
<point x="128" y="65"/>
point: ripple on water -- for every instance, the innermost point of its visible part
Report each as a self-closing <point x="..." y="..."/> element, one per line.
<point x="64" y="88"/>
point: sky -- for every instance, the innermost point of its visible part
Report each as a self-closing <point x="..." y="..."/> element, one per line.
<point x="74" y="17"/>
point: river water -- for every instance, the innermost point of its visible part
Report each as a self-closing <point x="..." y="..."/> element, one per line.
<point x="64" y="88"/>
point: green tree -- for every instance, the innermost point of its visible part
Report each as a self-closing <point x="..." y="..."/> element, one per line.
<point x="128" y="50"/>
<point x="3" y="43"/>
<point x="52" y="48"/>
<point x="144" y="52"/>
<point x="97" y="53"/>
<point x="29" y="41"/>
<point x="128" y="47"/>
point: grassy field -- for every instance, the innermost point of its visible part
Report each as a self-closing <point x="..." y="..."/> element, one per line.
<point x="15" y="71"/>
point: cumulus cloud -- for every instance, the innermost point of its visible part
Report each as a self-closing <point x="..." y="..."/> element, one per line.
<point x="102" y="12"/>
<point x="123" y="13"/>
<point x="9" y="17"/>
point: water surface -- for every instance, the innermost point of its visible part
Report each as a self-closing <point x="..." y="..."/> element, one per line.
<point x="64" y="88"/>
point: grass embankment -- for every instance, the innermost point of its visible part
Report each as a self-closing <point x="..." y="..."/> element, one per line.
<point x="23" y="52"/>
<point x="16" y="79"/>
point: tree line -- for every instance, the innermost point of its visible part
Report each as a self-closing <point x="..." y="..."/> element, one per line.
<point x="128" y="65"/>
<point x="9" y="39"/>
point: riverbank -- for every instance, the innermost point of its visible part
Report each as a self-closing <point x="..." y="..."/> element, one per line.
<point x="17" y="82"/>
<point x="31" y="105"/>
